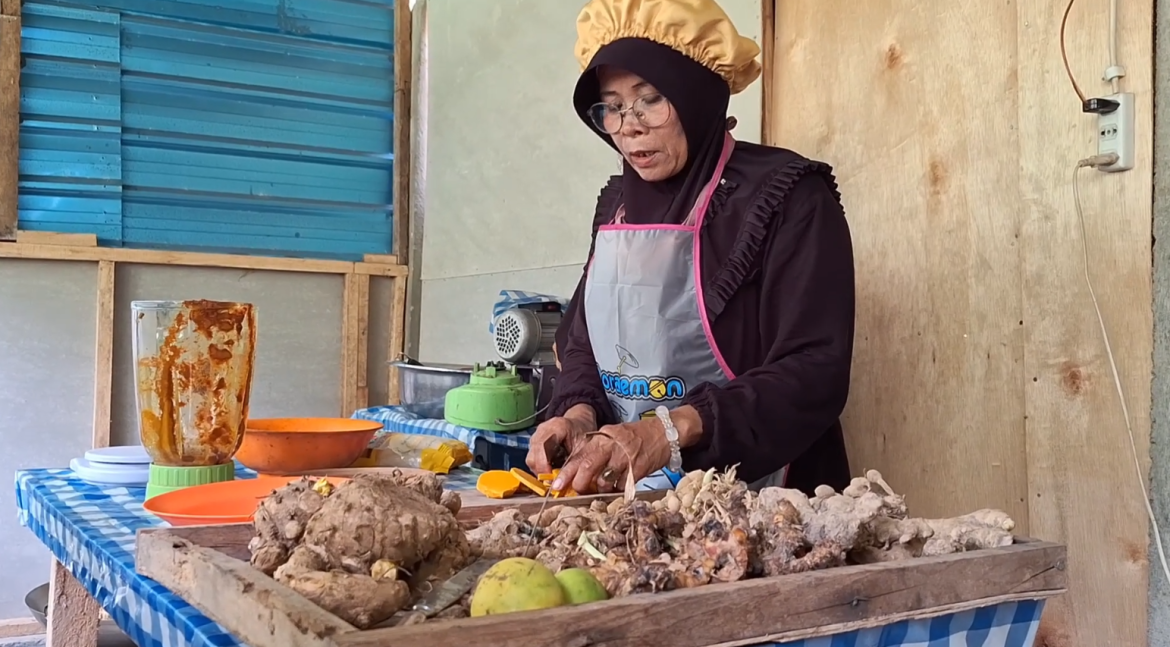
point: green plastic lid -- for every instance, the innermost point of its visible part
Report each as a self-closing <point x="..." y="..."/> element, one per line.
<point x="168" y="479"/>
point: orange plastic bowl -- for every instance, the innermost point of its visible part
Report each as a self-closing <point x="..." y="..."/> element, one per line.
<point x="217" y="503"/>
<point x="291" y="446"/>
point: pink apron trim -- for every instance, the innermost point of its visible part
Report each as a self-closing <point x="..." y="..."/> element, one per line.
<point x="695" y="218"/>
<point x="625" y="227"/>
<point x="728" y="146"/>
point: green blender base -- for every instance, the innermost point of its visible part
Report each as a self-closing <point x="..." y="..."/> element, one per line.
<point x="495" y="400"/>
<point x="165" y="479"/>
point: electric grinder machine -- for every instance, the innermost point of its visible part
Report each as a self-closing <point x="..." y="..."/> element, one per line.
<point x="511" y="395"/>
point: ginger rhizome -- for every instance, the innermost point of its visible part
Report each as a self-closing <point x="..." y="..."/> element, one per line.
<point x="365" y="549"/>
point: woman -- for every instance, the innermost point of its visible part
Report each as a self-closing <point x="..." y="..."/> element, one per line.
<point x="713" y="325"/>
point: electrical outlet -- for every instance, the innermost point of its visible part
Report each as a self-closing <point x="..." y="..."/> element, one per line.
<point x="1115" y="133"/>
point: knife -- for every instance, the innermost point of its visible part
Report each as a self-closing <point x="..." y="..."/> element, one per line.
<point x="449" y="592"/>
<point x="556" y="453"/>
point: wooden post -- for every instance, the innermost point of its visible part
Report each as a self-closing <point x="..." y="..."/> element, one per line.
<point x="403" y="73"/>
<point x="103" y="374"/>
<point x="355" y="393"/>
<point x="73" y="613"/>
<point x="768" y="61"/>
<point x="9" y="114"/>
<point x="397" y="337"/>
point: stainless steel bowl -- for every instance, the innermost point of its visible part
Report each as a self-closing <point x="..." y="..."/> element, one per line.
<point x="422" y="388"/>
<point x="420" y="384"/>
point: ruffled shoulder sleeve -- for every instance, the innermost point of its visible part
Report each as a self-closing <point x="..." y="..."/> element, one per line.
<point x="767" y="206"/>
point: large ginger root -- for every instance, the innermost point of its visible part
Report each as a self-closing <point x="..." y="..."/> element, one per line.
<point x="430" y="485"/>
<point x="280" y="521"/>
<point x="864" y="514"/>
<point x="363" y="600"/>
<point x="977" y="530"/>
<point x="370" y="545"/>
<point x="870" y="522"/>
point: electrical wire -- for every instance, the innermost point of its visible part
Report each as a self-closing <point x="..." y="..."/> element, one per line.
<point x="1093" y="162"/>
<point x="1064" y="52"/>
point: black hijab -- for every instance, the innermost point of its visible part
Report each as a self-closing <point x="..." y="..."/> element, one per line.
<point x="698" y="95"/>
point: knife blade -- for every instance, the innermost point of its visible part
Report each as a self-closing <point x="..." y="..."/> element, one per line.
<point x="556" y="453"/>
<point x="449" y="592"/>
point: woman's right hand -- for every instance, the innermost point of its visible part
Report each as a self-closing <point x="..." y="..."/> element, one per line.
<point x="568" y="432"/>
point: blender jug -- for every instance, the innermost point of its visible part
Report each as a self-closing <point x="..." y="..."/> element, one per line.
<point x="193" y="365"/>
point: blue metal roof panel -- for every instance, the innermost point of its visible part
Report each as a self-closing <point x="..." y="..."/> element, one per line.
<point x="235" y="137"/>
<point x="70" y="107"/>
<point x="343" y="21"/>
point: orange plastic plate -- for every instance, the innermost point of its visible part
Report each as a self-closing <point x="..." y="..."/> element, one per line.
<point x="218" y="503"/>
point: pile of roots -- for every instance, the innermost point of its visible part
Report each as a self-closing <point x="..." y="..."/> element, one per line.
<point x="713" y="529"/>
<point x="368" y="548"/>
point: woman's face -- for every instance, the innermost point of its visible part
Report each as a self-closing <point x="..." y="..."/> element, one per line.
<point x="648" y="133"/>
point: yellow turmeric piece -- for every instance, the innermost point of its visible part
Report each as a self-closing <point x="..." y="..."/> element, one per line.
<point x="547" y="480"/>
<point x="530" y="482"/>
<point x="497" y="484"/>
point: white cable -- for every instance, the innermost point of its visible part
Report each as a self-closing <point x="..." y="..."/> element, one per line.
<point x="1114" y="72"/>
<point x="1092" y="162"/>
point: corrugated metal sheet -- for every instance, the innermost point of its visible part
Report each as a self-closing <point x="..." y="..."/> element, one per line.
<point x="256" y="126"/>
<point x="71" y="116"/>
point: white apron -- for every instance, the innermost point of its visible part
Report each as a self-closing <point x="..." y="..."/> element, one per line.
<point x="648" y="324"/>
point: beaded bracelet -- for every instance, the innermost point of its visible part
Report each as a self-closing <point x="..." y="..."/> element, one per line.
<point x="675" y="464"/>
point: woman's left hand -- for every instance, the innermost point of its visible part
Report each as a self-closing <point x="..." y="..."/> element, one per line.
<point x="613" y="451"/>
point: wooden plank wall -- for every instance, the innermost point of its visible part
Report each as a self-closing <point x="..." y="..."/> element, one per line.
<point x="9" y="114"/>
<point x="980" y="375"/>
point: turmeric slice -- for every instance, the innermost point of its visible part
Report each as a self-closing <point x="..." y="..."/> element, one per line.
<point x="549" y="478"/>
<point x="530" y="482"/>
<point x="497" y="484"/>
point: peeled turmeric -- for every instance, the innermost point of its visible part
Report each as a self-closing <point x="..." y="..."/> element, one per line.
<point x="530" y="482"/>
<point x="497" y="484"/>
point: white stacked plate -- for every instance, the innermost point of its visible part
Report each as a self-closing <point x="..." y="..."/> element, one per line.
<point x="127" y="466"/>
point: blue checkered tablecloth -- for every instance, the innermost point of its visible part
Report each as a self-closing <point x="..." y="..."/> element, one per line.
<point x="1011" y="624"/>
<point x="395" y="419"/>
<point x="90" y="529"/>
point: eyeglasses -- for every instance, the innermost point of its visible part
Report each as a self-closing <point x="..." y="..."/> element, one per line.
<point x="651" y="110"/>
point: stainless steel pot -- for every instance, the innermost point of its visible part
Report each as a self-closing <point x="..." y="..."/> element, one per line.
<point x="424" y="384"/>
<point x="422" y="388"/>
